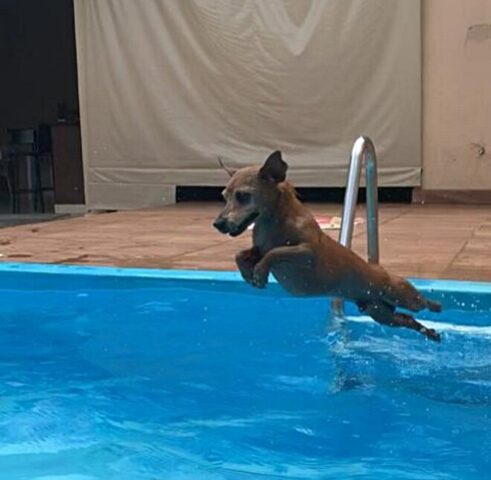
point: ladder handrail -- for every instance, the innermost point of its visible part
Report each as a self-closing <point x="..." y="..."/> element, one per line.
<point x="363" y="152"/>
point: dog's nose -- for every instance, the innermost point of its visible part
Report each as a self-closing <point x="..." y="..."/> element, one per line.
<point x="220" y="224"/>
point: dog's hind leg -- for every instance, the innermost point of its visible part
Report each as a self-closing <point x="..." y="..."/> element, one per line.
<point x="385" y="314"/>
<point x="400" y="293"/>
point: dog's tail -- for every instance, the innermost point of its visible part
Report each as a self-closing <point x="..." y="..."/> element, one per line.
<point x="230" y="171"/>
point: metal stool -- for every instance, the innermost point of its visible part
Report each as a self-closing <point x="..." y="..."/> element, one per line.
<point x="34" y="146"/>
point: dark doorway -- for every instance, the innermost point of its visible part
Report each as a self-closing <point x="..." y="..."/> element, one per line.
<point x="38" y="93"/>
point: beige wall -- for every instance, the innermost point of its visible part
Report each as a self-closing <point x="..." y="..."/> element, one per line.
<point x="457" y="94"/>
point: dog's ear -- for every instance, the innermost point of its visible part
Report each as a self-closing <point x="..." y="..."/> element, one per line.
<point x="230" y="171"/>
<point x="274" y="168"/>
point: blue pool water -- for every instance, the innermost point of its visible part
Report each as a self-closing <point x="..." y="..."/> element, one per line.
<point x="147" y="375"/>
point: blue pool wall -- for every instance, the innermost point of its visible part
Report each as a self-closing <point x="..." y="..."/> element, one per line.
<point x="454" y="294"/>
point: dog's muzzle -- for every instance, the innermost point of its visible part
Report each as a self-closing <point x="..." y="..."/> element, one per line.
<point x="221" y="225"/>
<point x="224" y="226"/>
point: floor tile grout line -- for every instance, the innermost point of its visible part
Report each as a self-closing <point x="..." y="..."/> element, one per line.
<point x="462" y="248"/>
<point x="359" y="233"/>
<point x="188" y="252"/>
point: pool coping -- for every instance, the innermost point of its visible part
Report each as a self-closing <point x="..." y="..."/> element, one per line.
<point x="442" y="285"/>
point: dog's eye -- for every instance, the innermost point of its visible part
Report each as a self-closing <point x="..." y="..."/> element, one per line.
<point x="242" y="197"/>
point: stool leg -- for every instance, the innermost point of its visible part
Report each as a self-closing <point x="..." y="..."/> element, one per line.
<point x="15" y="186"/>
<point x="39" y="187"/>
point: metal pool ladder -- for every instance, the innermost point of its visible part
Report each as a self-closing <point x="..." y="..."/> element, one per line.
<point x="363" y="152"/>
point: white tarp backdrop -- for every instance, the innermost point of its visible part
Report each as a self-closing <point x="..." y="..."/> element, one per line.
<point x="167" y="85"/>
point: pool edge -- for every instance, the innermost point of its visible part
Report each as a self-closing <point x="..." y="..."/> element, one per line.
<point x="440" y="285"/>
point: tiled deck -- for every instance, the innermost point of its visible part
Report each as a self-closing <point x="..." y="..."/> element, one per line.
<point x="444" y="241"/>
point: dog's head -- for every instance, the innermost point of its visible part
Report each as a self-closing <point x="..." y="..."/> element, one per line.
<point x="250" y="193"/>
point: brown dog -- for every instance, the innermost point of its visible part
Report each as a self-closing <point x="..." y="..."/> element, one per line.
<point x="288" y="242"/>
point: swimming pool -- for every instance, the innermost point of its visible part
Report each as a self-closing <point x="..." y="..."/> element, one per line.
<point x="145" y="374"/>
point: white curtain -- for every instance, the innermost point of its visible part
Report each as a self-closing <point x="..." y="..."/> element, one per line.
<point x="168" y="85"/>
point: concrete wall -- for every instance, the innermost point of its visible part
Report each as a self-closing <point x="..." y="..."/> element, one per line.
<point x="457" y="94"/>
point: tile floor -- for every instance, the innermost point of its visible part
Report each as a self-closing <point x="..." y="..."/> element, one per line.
<point x="435" y="241"/>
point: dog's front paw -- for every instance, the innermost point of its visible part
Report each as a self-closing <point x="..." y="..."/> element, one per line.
<point x="246" y="275"/>
<point x="246" y="260"/>
<point x="260" y="276"/>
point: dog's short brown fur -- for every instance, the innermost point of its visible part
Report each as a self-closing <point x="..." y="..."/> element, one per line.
<point x="288" y="242"/>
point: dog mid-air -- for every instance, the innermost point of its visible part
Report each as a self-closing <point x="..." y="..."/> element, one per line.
<point x="288" y="242"/>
